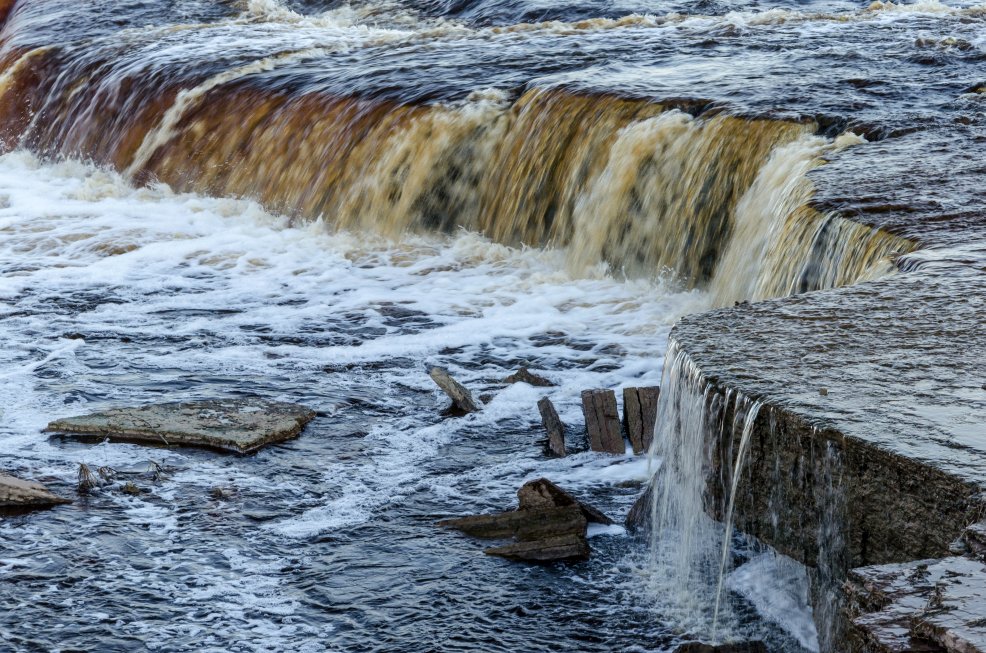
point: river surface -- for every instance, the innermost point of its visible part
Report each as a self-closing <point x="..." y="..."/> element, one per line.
<point x="314" y="201"/>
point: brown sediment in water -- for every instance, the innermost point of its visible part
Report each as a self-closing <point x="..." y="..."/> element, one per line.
<point x="629" y="182"/>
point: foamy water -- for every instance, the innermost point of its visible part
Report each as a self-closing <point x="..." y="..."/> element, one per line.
<point x="115" y="296"/>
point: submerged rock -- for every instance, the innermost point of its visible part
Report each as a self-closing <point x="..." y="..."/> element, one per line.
<point x="18" y="495"/>
<point x="525" y="525"/>
<point x="524" y="375"/>
<point x="234" y="425"/>
<point x="461" y="397"/>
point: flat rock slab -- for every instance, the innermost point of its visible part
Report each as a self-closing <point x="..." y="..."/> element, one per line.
<point x="235" y="425"/>
<point x="929" y="605"/>
<point x="525" y="525"/>
<point x="564" y="548"/>
<point x="17" y="495"/>
<point x="542" y="493"/>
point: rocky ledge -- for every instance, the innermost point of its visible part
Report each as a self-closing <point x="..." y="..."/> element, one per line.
<point x="233" y="425"/>
<point x="18" y="495"/>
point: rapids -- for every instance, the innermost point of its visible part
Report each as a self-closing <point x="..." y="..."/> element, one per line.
<point x="311" y="200"/>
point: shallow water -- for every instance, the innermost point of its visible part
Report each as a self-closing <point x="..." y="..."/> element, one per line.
<point x="113" y="296"/>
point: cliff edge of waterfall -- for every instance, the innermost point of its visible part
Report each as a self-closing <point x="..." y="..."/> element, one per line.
<point x="870" y="444"/>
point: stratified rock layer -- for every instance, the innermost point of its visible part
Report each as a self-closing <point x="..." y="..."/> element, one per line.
<point x="234" y="425"/>
<point x="18" y="495"/>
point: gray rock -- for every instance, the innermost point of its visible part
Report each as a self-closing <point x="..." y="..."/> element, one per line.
<point x="639" y="517"/>
<point x="928" y="605"/>
<point x="18" y="495"/>
<point x="460" y="396"/>
<point x="602" y="421"/>
<point x="563" y="548"/>
<point x="234" y="425"/>
<point x="553" y="425"/>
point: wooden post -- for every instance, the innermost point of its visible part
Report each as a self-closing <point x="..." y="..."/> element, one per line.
<point x="459" y="395"/>
<point x="553" y="425"/>
<point x="639" y="415"/>
<point x="602" y="421"/>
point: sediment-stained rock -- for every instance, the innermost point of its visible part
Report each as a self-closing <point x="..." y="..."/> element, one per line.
<point x="602" y="421"/>
<point x="563" y="548"/>
<point x="233" y="425"/>
<point x="460" y="396"/>
<point x="639" y="416"/>
<point x="18" y="495"/>
<point x="555" y="444"/>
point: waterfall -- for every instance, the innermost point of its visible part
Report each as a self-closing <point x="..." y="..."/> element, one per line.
<point x="721" y="202"/>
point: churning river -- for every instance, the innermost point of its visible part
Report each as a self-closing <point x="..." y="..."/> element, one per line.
<point x="313" y="201"/>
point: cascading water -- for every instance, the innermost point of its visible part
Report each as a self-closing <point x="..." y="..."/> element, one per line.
<point x="269" y="198"/>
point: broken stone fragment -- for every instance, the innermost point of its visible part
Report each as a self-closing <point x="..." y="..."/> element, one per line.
<point x="927" y="605"/>
<point x="542" y="493"/>
<point x="640" y="415"/>
<point x="524" y="375"/>
<point x="549" y="525"/>
<point x="18" y="495"/>
<point x="460" y="396"/>
<point x="563" y="548"/>
<point x="523" y="524"/>
<point x="555" y="445"/>
<point x="602" y="421"/>
<point x="234" y="425"/>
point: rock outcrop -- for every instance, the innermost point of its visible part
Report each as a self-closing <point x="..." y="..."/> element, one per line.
<point x="18" y="495"/>
<point x="549" y="525"/>
<point x="233" y="425"/>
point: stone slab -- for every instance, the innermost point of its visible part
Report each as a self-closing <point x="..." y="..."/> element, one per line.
<point x="17" y="495"/>
<point x="233" y="425"/>
<point x="927" y="605"/>
<point x="564" y="548"/>
<point x="602" y="421"/>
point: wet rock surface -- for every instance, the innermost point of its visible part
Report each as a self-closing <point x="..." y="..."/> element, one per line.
<point x="524" y="375"/>
<point x="233" y="425"/>
<point x="928" y="605"/>
<point x="18" y="495"/>
<point x="549" y="525"/>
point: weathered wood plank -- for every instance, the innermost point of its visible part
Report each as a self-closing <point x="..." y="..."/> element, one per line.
<point x="602" y="421"/>
<point x="639" y="416"/>
<point x="555" y="445"/>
